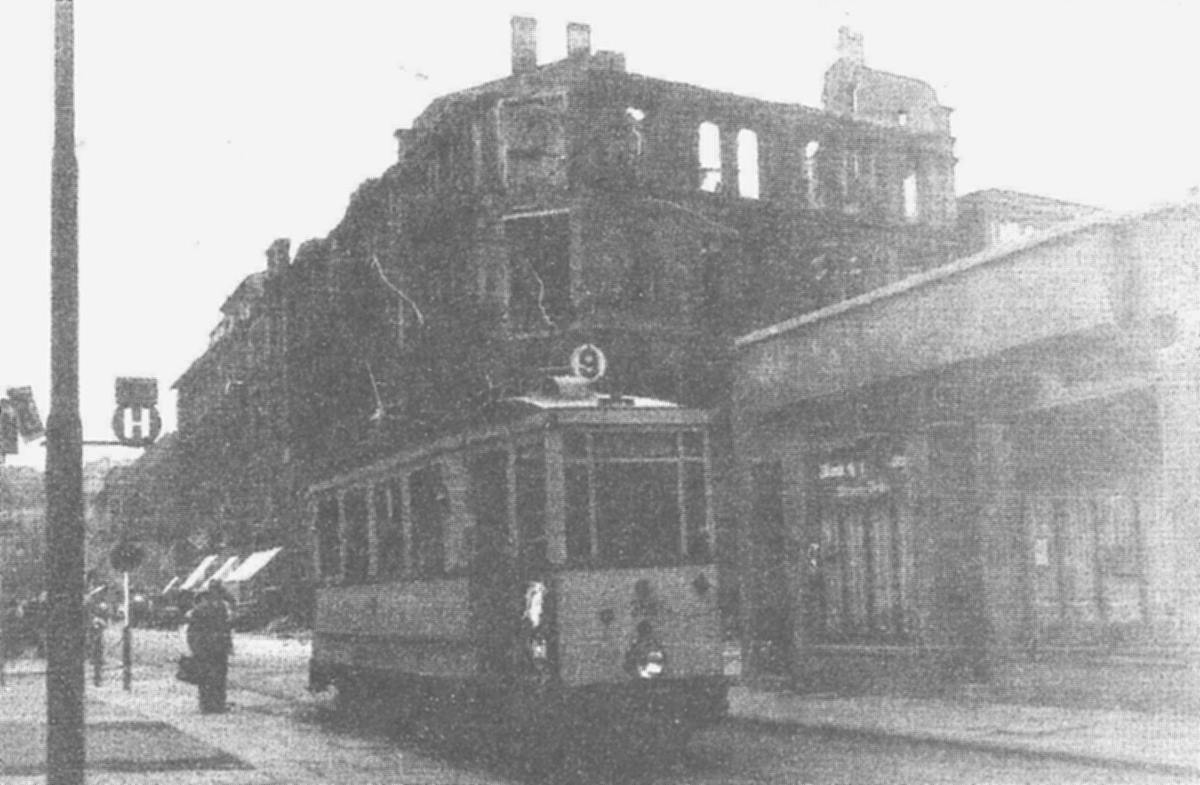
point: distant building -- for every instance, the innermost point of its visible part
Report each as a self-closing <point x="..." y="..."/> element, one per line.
<point x="995" y="217"/>
<point x="564" y="203"/>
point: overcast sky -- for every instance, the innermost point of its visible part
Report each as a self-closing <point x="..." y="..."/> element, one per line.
<point x="208" y="128"/>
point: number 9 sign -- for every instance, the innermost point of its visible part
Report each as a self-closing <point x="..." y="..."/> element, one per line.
<point x="588" y="362"/>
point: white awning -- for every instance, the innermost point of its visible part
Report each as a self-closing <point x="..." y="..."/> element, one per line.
<point x="250" y="567"/>
<point x="198" y="574"/>
<point x="223" y="572"/>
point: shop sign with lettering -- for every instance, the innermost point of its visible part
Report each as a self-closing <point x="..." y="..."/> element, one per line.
<point x="862" y="471"/>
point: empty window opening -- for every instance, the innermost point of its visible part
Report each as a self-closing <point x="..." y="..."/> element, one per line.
<point x="633" y="119"/>
<point x="851" y="97"/>
<point x="851" y="176"/>
<point x="902" y="118"/>
<point x="810" y="173"/>
<point x="911" y="205"/>
<point x="539" y="253"/>
<point x="710" y="157"/>
<point x="747" y="162"/>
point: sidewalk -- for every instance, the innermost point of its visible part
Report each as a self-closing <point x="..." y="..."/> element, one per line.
<point x="1162" y="743"/>
<point x="175" y="737"/>
<point x="123" y="746"/>
<point x="154" y="734"/>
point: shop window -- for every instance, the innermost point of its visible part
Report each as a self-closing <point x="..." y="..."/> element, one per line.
<point x="539" y="255"/>
<point x="857" y="557"/>
<point x="747" y="162"/>
<point x="709" y="152"/>
<point x="389" y="527"/>
<point x="329" y="540"/>
<point x="1087" y="571"/>
<point x="357" y="547"/>
<point x="430" y="515"/>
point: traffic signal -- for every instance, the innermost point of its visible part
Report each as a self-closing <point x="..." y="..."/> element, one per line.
<point x="29" y="422"/>
<point x="8" y="428"/>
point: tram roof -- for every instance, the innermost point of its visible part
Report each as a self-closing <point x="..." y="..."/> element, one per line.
<point x="591" y="401"/>
<point x="525" y="413"/>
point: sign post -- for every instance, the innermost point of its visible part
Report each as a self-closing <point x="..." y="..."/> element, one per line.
<point x="64" y="438"/>
<point x="126" y="557"/>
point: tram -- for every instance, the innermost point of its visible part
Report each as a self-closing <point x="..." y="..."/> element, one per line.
<point x="549" y="571"/>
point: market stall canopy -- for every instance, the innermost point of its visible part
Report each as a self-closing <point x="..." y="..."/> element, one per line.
<point x="198" y="574"/>
<point x="252" y="565"/>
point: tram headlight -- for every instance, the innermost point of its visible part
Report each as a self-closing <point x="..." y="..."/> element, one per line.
<point x="539" y="650"/>
<point x="653" y="664"/>
<point x="646" y="658"/>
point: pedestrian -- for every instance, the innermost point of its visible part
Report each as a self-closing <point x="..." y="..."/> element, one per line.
<point x="210" y="639"/>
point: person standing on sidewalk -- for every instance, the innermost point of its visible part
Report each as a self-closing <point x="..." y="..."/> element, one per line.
<point x="210" y="639"/>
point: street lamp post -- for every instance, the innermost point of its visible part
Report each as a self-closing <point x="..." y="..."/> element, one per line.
<point x="64" y="441"/>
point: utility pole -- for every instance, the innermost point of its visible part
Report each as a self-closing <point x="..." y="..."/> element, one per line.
<point x="64" y="440"/>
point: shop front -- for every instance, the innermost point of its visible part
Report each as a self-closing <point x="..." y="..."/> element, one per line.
<point x="985" y="476"/>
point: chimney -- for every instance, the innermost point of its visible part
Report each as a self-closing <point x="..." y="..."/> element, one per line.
<point x="850" y="45"/>
<point x="524" y="44"/>
<point x="403" y="135"/>
<point x="277" y="255"/>
<point x="579" y="40"/>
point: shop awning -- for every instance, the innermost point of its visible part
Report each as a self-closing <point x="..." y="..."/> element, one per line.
<point x="224" y="570"/>
<point x="252" y="565"/>
<point x="1062" y="284"/>
<point x="198" y="574"/>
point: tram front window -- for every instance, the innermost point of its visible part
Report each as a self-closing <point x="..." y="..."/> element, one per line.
<point x="637" y="514"/>
<point x="635" y="499"/>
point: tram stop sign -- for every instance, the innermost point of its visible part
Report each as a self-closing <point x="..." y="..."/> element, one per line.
<point x="126" y="556"/>
<point x="136" y="422"/>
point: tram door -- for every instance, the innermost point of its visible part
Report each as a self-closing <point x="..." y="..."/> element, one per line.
<point x="494" y="589"/>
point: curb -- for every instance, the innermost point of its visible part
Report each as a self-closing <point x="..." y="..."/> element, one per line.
<point x="977" y="745"/>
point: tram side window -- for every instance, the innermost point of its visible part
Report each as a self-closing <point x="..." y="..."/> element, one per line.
<point x="531" y="504"/>
<point x="357" y="544"/>
<point x="389" y="524"/>
<point x="489" y="506"/>
<point x="329" y="544"/>
<point x="695" y="505"/>
<point x="430" y="511"/>
<point x="579" y="516"/>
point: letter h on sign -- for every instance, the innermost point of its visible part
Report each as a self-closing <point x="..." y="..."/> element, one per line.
<point x="136" y="422"/>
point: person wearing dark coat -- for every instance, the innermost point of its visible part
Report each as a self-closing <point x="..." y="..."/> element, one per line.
<point x="210" y="639"/>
